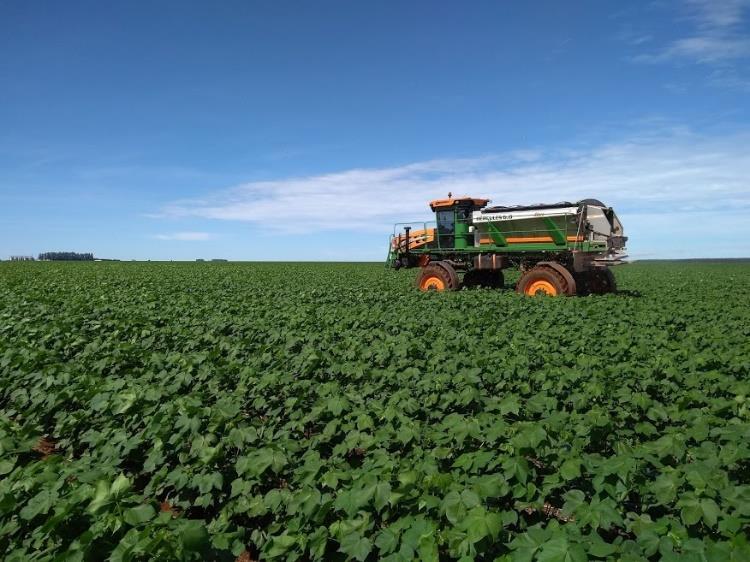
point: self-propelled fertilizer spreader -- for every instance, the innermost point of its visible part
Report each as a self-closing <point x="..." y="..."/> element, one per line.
<point x="561" y="249"/>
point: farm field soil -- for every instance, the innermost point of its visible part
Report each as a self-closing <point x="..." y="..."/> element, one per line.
<point x="176" y="411"/>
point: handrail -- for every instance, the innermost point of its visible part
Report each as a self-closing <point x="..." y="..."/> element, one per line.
<point x="411" y="223"/>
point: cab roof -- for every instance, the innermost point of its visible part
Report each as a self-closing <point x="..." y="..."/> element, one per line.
<point x="453" y="201"/>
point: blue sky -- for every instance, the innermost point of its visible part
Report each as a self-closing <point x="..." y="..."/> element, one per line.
<point x="303" y="130"/>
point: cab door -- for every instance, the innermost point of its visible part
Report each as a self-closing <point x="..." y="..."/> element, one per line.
<point x="446" y="227"/>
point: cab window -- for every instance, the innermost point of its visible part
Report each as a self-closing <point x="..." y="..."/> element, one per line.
<point x="445" y="222"/>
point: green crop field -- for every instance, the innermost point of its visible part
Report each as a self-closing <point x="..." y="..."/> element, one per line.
<point x="229" y="411"/>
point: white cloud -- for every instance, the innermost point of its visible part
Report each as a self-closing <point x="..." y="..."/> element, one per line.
<point x="185" y="236"/>
<point x="702" y="49"/>
<point x="718" y="37"/>
<point x="713" y="14"/>
<point x="674" y="172"/>
<point x="729" y="78"/>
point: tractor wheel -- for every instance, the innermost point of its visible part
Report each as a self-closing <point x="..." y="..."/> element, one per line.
<point x="601" y="281"/>
<point x="437" y="277"/>
<point x="542" y="280"/>
<point x="491" y="279"/>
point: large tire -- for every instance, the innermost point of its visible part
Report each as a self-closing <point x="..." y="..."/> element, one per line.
<point x="570" y="282"/>
<point x="543" y="280"/>
<point x="491" y="279"/>
<point x="601" y="281"/>
<point x="438" y="276"/>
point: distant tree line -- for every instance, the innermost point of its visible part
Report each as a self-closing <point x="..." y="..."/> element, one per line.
<point x="21" y="258"/>
<point x="66" y="256"/>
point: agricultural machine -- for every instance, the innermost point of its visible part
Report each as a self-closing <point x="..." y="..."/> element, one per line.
<point x="561" y="249"/>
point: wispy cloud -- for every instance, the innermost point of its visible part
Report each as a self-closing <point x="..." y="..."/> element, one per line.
<point x="185" y="236"/>
<point x="701" y="49"/>
<point x="717" y="37"/>
<point x="729" y="78"/>
<point x="672" y="171"/>
<point x="713" y="14"/>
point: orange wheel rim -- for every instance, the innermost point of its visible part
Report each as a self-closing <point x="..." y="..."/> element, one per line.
<point x="432" y="283"/>
<point x="541" y="287"/>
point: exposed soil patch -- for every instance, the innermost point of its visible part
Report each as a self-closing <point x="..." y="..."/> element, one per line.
<point x="245" y="556"/>
<point x="45" y="446"/>
<point x="167" y="507"/>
